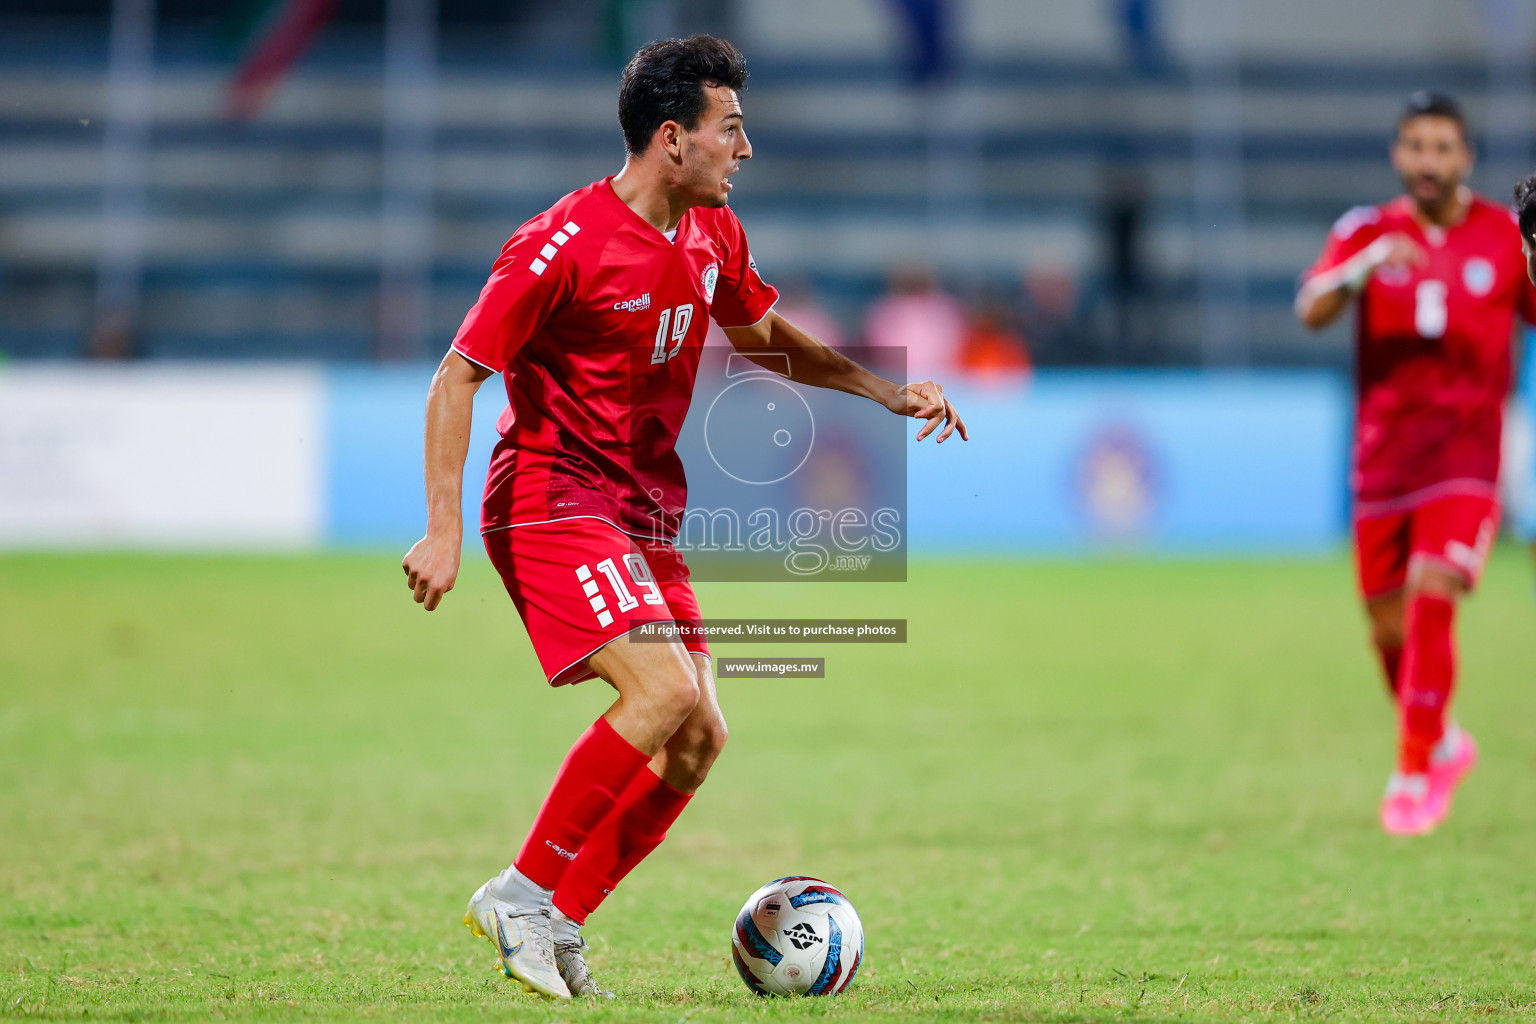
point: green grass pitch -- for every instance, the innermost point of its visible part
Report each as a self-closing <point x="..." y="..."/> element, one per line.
<point x="262" y="789"/>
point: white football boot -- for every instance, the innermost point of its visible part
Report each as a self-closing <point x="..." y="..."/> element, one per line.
<point x="574" y="970"/>
<point x="522" y="940"/>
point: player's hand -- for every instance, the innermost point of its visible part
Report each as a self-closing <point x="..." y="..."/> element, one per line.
<point x="431" y="567"/>
<point x="925" y="400"/>
<point x="1402" y="251"/>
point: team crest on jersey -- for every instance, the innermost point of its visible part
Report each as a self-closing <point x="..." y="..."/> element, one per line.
<point x="710" y="279"/>
<point x="1477" y="275"/>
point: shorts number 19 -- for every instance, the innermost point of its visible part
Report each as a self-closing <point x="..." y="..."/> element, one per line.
<point x="639" y="575"/>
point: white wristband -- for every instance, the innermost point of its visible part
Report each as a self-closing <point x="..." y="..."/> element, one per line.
<point x="1353" y="274"/>
<point x="1357" y="270"/>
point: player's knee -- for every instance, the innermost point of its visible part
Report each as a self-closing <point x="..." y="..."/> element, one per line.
<point x="676" y="695"/>
<point x="1437" y="584"/>
<point x="709" y="740"/>
<point x="719" y="732"/>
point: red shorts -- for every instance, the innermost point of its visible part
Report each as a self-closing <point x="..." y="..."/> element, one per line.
<point x="1452" y="533"/>
<point x="580" y="583"/>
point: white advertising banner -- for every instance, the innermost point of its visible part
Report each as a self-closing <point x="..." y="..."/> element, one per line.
<point x="227" y="456"/>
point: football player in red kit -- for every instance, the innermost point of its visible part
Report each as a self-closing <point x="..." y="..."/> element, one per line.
<point x="595" y="314"/>
<point x="1437" y="278"/>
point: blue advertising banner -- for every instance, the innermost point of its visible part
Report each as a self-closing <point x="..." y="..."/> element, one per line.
<point x="1072" y="463"/>
<point x="1175" y="462"/>
<point x="1520" y="450"/>
<point x="375" y="418"/>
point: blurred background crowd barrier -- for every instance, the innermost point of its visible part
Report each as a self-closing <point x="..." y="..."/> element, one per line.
<point x="296" y="457"/>
<point x="245" y="232"/>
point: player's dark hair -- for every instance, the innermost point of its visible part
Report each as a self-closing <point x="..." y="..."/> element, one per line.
<point x="665" y="81"/>
<point x="1427" y="103"/>
<point x="1525" y="207"/>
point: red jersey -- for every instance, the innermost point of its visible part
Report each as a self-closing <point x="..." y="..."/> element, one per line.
<point x="596" y="320"/>
<point x="1432" y="352"/>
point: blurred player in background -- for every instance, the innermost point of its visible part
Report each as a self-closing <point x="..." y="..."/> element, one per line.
<point x="595" y="314"/>
<point x="1438" y="279"/>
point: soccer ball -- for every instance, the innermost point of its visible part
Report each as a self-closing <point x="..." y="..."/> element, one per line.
<point x="797" y="936"/>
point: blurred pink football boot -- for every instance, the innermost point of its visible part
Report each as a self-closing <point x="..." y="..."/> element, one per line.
<point x="1453" y="760"/>
<point x="1406" y="809"/>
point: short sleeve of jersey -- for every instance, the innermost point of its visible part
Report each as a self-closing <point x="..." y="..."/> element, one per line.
<point x="1351" y="233"/>
<point x="742" y="298"/>
<point x="525" y="287"/>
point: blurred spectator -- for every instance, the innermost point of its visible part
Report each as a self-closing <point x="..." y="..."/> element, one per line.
<point x="1049" y="316"/>
<point x="1141" y="34"/>
<point x="797" y="304"/>
<point x="1123" y="216"/>
<point x="915" y="315"/>
<point x="992" y="348"/>
<point x="112" y="336"/>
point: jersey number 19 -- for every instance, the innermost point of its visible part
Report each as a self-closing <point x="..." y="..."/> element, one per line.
<point x="672" y="328"/>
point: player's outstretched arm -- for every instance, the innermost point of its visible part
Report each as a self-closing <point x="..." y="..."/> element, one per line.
<point x="432" y="564"/>
<point x="1325" y="295"/>
<point x="811" y="362"/>
<point x="1317" y="306"/>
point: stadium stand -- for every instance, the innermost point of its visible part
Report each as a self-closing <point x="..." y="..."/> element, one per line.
<point x="263" y="239"/>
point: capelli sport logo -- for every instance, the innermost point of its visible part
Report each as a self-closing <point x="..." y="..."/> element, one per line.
<point x="630" y="305"/>
<point x="560" y="851"/>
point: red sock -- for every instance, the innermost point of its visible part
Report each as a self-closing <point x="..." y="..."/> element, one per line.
<point x="1428" y="675"/>
<point x="636" y="827"/>
<point x="1391" y="664"/>
<point x="594" y="773"/>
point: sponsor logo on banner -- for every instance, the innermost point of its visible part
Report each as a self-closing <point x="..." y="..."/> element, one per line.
<point x="1116" y="485"/>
